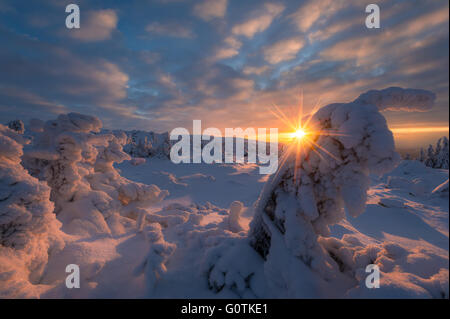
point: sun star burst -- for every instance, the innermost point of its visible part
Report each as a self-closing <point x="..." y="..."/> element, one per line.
<point x="303" y="135"/>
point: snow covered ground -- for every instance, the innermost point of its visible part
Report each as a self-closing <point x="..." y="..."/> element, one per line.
<point x="412" y="218"/>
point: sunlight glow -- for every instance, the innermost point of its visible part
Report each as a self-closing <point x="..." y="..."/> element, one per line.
<point x="302" y="137"/>
<point x="299" y="134"/>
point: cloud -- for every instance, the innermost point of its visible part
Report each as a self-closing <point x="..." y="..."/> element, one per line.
<point x="283" y="50"/>
<point x="313" y="10"/>
<point x="210" y="9"/>
<point x="359" y="49"/>
<point x="95" y="26"/>
<point x="56" y="79"/>
<point x="10" y="96"/>
<point x="95" y="79"/>
<point x="170" y="29"/>
<point x="167" y="81"/>
<point x="398" y="42"/>
<point x="5" y="7"/>
<point x="333" y="29"/>
<point x="228" y="50"/>
<point x="415" y="27"/>
<point x="260" y="21"/>
<point x="149" y="57"/>
<point x="258" y="70"/>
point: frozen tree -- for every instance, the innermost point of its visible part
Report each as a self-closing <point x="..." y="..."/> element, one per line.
<point x="147" y="144"/>
<point x="298" y="211"/>
<point x="311" y="191"/>
<point x="29" y="230"/>
<point x="77" y="161"/>
<point x="422" y="155"/>
<point x="437" y="157"/>
<point x="441" y="153"/>
<point x="445" y="153"/>
<point x="437" y="153"/>
<point x="430" y="160"/>
<point x="17" y="125"/>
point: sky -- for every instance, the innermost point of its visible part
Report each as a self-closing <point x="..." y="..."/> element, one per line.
<point x="160" y="64"/>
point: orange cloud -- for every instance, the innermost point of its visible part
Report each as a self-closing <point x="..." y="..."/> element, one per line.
<point x="283" y="50"/>
<point x="210" y="9"/>
<point x="261" y="21"/>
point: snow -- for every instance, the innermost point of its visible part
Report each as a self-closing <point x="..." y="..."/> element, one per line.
<point x="69" y="194"/>
<point x="29" y="231"/>
<point x="398" y="99"/>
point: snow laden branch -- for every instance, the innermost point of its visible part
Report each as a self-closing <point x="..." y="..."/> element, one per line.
<point x="398" y="99"/>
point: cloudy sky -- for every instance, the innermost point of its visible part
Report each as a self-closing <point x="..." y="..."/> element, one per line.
<point x="159" y="64"/>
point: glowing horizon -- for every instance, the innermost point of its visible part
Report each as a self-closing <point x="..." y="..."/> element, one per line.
<point x="429" y="129"/>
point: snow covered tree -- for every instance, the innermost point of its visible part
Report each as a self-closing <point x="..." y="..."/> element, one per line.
<point x="444" y="157"/>
<point x="29" y="230"/>
<point x="422" y="155"/>
<point x="17" y="125"/>
<point x="292" y="213"/>
<point x="430" y="160"/>
<point x="147" y="144"/>
<point x="441" y="153"/>
<point x="311" y="191"/>
<point x="77" y="161"/>
<point x="436" y="157"/>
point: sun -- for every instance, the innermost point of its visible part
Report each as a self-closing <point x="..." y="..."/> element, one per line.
<point x="299" y="134"/>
